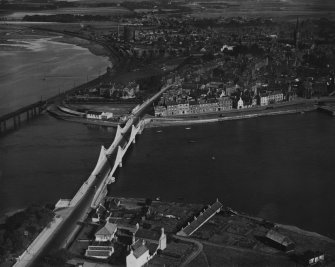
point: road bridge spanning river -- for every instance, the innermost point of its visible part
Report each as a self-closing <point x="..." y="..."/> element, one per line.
<point x="70" y="211"/>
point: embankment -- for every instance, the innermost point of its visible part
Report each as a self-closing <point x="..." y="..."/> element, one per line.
<point x="234" y="115"/>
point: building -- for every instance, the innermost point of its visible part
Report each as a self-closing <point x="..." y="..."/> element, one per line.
<point x="139" y="254"/>
<point x="99" y="252"/>
<point x="145" y="245"/>
<point x="199" y="221"/>
<point x="275" y="97"/>
<point x="279" y="241"/>
<point x="225" y="103"/>
<point x="106" y="233"/>
<point x="98" y="115"/>
<point x="263" y="99"/>
<point x="240" y="103"/>
<point x="312" y="257"/>
<point x="160" y="111"/>
<point x="129" y="33"/>
<point x="153" y="237"/>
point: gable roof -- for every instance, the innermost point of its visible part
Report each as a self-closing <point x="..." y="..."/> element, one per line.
<point x="279" y="238"/>
<point x="107" y="229"/>
<point x="139" y="248"/>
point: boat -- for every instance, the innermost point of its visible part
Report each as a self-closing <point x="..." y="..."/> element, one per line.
<point x="188" y="128"/>
<point x="192" y="141"/>
<point x="213" y="158"/>
<point x="159" y="131"/>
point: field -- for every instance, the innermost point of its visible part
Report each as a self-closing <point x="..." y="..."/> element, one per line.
<point x="103" y="11"/>
<point x="277" y="9"/>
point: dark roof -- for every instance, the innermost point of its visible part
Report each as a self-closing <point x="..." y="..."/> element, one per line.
<point x="152" y="247"/>
<point x="98" y="253"/>
<point x="203" y="217"/>
<point x="94" y="112"/>
<point x="278" y="238"/>
<point x="139" y="248"/>
<point x="129" y="227"/>
<point x="148" y="234"/>
<point x="100" y="247"/>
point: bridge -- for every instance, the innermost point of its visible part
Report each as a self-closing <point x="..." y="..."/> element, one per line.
<point x="12" y="120"/>
<point x="70" y="211"/>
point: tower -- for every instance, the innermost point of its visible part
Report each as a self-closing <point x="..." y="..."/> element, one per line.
<point x="296" y="36"/>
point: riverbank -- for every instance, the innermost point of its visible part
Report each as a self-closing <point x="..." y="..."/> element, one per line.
<point x="232" y="115"/>
<point x="233" y="235"/>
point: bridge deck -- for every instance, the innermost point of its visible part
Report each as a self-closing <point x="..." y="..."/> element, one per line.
<point x="22" y="110"/>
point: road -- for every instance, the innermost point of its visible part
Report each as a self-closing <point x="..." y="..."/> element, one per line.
<point x="194" y="253"/>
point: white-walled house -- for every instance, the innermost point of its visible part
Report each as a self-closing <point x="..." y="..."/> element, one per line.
<point x="139" y="254"/>
<point x="145" y="245"/>
<point x="263" y="99"/>
<point x="240" y="103"/>
<point x="106" y="233"/>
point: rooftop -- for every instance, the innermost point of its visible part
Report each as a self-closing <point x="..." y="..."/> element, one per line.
<point x="198" y="222"/>
<point x="107" y="229"/>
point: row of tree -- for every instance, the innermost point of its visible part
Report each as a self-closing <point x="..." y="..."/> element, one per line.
<point x="20" y="229"/>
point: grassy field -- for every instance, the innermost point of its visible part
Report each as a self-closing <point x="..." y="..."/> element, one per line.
<point x="277" y="9"/>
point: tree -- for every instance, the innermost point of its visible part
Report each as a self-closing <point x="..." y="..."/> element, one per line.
<point x="56" y="258"/>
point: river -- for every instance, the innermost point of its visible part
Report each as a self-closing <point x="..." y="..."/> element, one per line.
<point x="279" y="167"/>
<point x="38" y="67"/>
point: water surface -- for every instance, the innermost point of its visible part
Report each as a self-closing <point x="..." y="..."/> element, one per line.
<point x="37" y="67"/>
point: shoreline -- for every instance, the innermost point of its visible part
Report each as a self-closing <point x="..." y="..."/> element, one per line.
<point x="154" y="122"/>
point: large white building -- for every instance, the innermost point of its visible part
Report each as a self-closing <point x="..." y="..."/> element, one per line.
<point x="145" y="245"/>
<point x="275" y="97"/>
<point x="139" y="254"/>
<point x="98" y="115"/>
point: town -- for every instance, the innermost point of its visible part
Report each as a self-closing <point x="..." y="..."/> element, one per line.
<point x="169" y="63"/>
<point x="225" y="64"/>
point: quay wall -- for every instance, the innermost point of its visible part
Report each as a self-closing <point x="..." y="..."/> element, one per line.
<point x="163" y="122"/>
